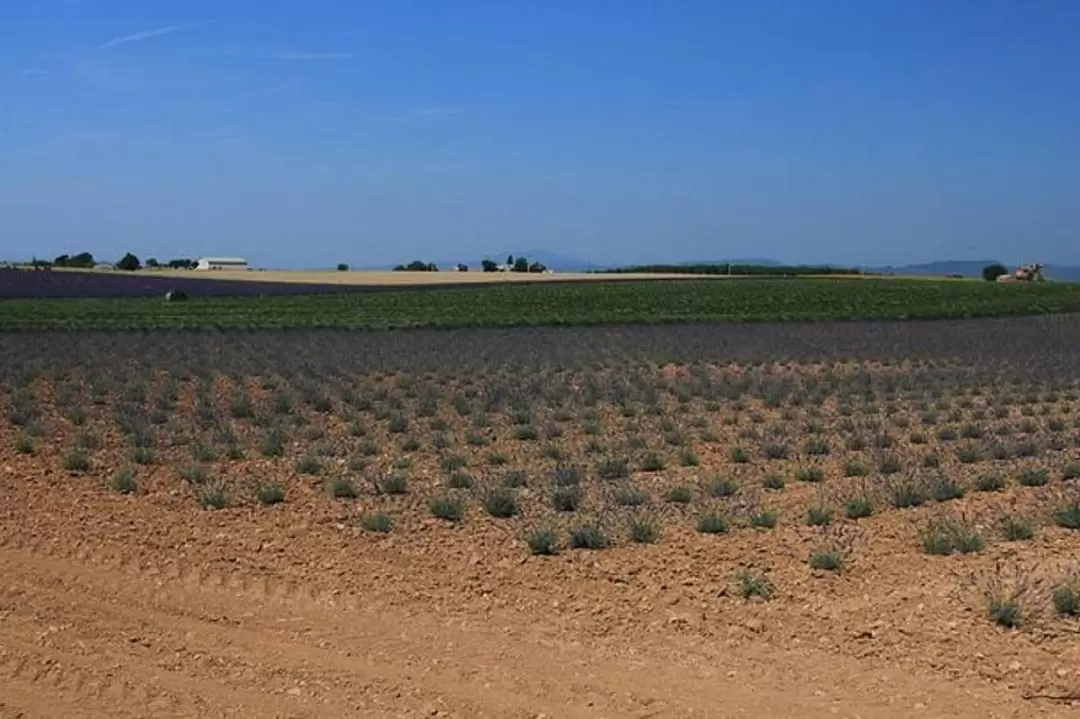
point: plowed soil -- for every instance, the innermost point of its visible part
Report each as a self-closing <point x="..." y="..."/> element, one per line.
<point x="122" y="607"/>
<point x="149" y="605"/>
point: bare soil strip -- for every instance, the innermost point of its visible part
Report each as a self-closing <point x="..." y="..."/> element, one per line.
<point x="113" y="631"/>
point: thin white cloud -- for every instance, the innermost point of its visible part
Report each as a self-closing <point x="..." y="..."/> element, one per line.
<point x="146" y="35"/>
<point x="412" y="116"/>
<point x="296" y="55"/>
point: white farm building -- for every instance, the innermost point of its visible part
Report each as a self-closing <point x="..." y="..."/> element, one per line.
<point x="221" y="263"/>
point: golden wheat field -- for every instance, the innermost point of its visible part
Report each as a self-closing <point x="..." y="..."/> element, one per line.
<point x="363" y="277"/>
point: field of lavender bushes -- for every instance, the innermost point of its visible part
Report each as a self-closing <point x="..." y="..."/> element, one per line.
<point x="773" y="472"/>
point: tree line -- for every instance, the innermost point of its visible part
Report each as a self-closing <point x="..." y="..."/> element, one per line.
<point x="86" y="260"/>
<point x="725" y="268"/>
<point x="513" y="264"/>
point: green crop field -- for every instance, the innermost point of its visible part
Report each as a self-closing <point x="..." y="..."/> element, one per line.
<point x="674" y="301"/>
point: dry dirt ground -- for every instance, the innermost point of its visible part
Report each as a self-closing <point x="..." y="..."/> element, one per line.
<point x="119" y="607"/>
<point x="147" y="605"/>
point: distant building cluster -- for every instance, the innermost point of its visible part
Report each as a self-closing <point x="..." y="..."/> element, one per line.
<point x="221" y="263"/>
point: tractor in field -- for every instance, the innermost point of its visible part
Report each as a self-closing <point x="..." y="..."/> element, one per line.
<point x="1028" y="273"/>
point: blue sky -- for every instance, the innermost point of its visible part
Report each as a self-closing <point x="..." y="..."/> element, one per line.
<point x="308" y="133"/>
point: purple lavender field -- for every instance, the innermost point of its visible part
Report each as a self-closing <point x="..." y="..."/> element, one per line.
<point x="31" y="284"/>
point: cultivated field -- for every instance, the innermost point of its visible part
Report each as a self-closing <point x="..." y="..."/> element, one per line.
<point x="68" y="283"/>
<point x="574" y="303"/>
<point x="783" y="520"/>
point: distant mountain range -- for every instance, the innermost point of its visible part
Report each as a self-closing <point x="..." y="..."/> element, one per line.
<point x="964" y="268"/>
<point x="974" y="268"/>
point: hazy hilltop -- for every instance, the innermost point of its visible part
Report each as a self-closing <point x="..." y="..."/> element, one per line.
<point x="974" y="268"/>
<point x="940" y="268"/>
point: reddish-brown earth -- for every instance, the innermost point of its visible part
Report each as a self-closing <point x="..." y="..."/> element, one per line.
<point x="148" y="605"/>
<point x="119" y="606"/>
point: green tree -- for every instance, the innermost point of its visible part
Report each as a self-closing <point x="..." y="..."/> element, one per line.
<point x="489" y="265"/>
<point x="521" y="264"/>
<point x="83" y="260"/>
<point x="342" y="267"/>
<point x="153" y="263"/>
<point x="128" y="262"/>
<point x="417" y="266"/>
<point x="990" y="273"/>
